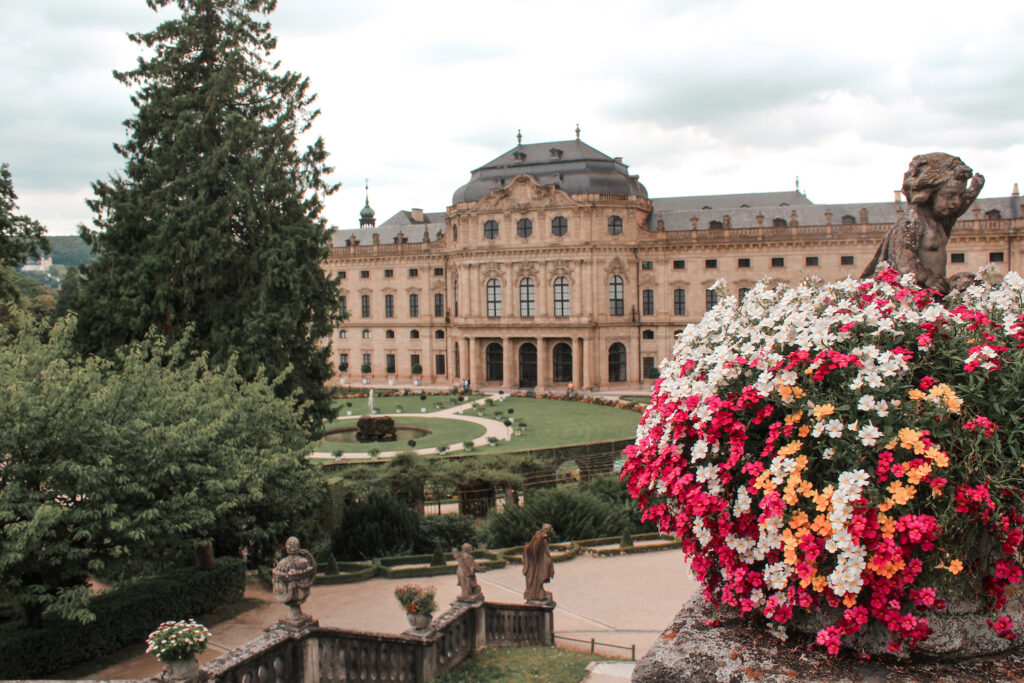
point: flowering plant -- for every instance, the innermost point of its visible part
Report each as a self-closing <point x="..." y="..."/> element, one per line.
<point x="416" y="600"/>
<point x="177" y="640"/>
<point x="844" y="454"/>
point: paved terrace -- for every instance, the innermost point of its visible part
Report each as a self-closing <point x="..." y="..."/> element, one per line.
<point x="624" y="600"/>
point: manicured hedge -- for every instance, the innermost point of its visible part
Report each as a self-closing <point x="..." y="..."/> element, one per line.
<point x="124" y="615"/>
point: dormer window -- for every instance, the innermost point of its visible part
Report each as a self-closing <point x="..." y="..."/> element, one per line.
<point x="519" y="155"/>
<point x="556" y="153"/>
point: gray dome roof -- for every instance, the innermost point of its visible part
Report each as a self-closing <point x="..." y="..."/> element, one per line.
<point x="571" y="165"/>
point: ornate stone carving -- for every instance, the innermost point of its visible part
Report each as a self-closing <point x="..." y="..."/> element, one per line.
<point x="293" y="576"/>
<point x="466" y="574"/>
<point x="538" y="568"/>
<point x="523" y="192"/>
<point x="937" y="194"/>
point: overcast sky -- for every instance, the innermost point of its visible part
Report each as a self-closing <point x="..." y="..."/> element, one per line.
<point x="698" y="97"/>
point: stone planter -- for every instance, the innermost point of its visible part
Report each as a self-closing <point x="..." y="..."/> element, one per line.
<point x="417" y="382"/>
<point x="391" y="381"/>
<point x="181" y="669"/>
<point x="419" y="622"/>
<point x="366" y="380"/>
<point x="423" y="410"/>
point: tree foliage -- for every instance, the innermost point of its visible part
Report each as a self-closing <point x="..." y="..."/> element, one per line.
<point x="215" y="221"/>
<point x="107" y="462"/>
<point x="21" y="238"/>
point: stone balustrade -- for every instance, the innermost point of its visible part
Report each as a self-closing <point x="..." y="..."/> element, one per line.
<point x="313" y="654"/>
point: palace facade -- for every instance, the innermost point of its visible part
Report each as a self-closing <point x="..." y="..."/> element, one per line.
<point x="552" y="265"/>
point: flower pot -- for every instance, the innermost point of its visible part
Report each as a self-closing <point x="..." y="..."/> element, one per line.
<point x="419" y="622"/>
<point x="417" y="382"/>
<point x="391" y="381"/>
<point x="349" y="412"/>
<point x="423" y="410"/>
<point x="366" y="380"/>
<point x="181" y="669"/>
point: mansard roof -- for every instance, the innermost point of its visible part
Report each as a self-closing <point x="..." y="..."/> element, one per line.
<point x="571" y="165"/>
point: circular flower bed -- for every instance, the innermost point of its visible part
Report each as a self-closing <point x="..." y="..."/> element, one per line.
<point x="845" y="457"/>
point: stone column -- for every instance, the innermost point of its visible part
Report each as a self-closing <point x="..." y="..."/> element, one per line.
<point x="543" y="371"/>
<point x="508" y="365"/>
<point x="591" y="375"/>
<point x="577" y="363"/>
<point x="476" y="376"/>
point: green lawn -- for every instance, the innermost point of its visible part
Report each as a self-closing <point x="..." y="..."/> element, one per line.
<point x="390" y="404"/>
<point x="445" y="432"/>
<point x="550" y="422"/>
<point x="515" y="664"/>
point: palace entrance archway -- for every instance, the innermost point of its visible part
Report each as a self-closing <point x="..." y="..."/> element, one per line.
<point x="527" y="366"/>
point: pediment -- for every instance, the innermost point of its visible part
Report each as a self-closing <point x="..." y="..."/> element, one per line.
<point x="523" y="193"/>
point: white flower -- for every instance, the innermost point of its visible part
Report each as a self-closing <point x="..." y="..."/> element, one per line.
<point x="866" y="402"/>
<point x="699" y="450"/>
<point x="835" y="428"/>
<point x="869" y="434"/>
<point x="882" y="408"/>
<point x="828" y="453"/>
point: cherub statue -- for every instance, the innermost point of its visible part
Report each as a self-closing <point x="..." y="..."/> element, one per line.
<point x="293" y="578"/>
<point x="466" y="574"/>
<point x="937" y="192"/>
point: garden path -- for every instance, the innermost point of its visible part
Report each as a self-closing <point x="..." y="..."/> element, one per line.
<point x="493" y="428"/>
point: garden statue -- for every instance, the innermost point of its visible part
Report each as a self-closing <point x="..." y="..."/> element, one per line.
<point x="371" y="401"/>
<point x="293" y="578"/>
<point x="466" y="575"/>
<point x="937" y="192"/>
<point x="537" y="566"/>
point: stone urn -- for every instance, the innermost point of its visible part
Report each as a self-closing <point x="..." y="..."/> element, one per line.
<point x="186" y="669"/>
<point x="294" y="576"/>
<point x="419" y="622"/>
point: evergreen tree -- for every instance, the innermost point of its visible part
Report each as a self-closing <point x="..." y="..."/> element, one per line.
<point x="21" y="237"/>
<point x="216" y="221"/>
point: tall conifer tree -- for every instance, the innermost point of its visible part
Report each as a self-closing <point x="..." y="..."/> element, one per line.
<point x="216" y="219"/>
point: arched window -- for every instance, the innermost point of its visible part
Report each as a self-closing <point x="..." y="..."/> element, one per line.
<point x="389" y="334"/>
<point x="848" y="220"/>
<point x="648" y="334"/>
<point x="715" y="225"/>
<point x="617" y="363"/>
<point x="526" y="298"/>
<point x="414" y="305"/>
<point x="616" y="305"/>
<point x="438" y="334"/>
<point x="559" y="226"/>
<point x="414" y="334"/>
<point x="993" y="214"/>
<point x="614" y="225"/>
<point x="561" y="297"/>
<point x="495" y="358"/>
<point x="366" y="334"/>
<point x="491" y="230"/>
<point x="493" y="298"/>
<point x="524" y="228"/>
<point x="561" y="363"/>
<point x="780" y="223"/>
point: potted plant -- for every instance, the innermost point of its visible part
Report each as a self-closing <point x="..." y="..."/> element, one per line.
<point x="417" y="370"/>
<point x="348" y="404"/>
<point x="365" y="369"/>
<point x="176" y="644"/>
<point x="419" y="605"/>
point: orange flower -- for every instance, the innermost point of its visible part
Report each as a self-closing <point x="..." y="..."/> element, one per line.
<point x="916" y="474"/>
<point x="791" y="447"/>
<point x="794" y="417"/>
<point x="901" y="494"/>
<point x="824" y="410"/>
<point x="955" y="567"/>
<point x="803" y="431"/>
<point x="917" y="394"/>
<point x="937" y="457"/>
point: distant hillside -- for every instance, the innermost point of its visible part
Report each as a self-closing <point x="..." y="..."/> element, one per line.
<point x="69" y="250"/>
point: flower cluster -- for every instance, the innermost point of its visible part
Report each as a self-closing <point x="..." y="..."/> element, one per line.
<point x="177" y="640"/>
<point x="416" y="600"/>
<point x="847" y="450"/>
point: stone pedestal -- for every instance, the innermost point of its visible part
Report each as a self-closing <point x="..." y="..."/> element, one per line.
<point x="704" y="644"/>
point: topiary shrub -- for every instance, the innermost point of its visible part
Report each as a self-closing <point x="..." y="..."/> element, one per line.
<point x="448" y="531"/>
<point x="627" y="539"/>
<point x="332" y="565"/>
<point x="437" y="557"/>
<point x="845" y="458"/>
<point x="575" y="514"/>
<point x="379" y="526"/>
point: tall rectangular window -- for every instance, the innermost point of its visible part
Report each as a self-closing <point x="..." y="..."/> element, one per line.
<point x="366" y="363"/>
<point x="710" y="299"/>
<point x="343" y="305"/>
<point x="648" y="297"/>
<point x="616" y="304"/>
<point x="439" y="364"/>
<point x="527" y="301"/>
<point x="389" y="363"/>
<point x="493" y="289"/>
<point x="389" y="305"/>
<point x="679" y="302"/>
<point x="414" y="305"/>
<point x="650" y="372"/>
<point x="343" y="362"/>
<point x="561" y="297"/>
<point x="414" y="359"/>
<point x="439" y="305"/>
<point x="364" y="305"/>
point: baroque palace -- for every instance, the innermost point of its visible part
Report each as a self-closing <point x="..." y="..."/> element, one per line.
<point x="552" y="265"/>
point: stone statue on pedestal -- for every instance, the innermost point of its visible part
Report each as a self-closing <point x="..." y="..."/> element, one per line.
<point x="466" y="574"/>
<point x="293" y="576"/>
<point x="937" y="192"/>
<point x="538" y="568"/>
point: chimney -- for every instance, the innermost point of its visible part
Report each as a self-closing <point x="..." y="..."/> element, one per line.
<point x="417" y="215"/>
<point x="897" y="196"/>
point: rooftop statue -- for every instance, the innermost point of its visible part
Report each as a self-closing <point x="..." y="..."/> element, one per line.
<point x="293" y="576"/>
<point x="937" y="192"/>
